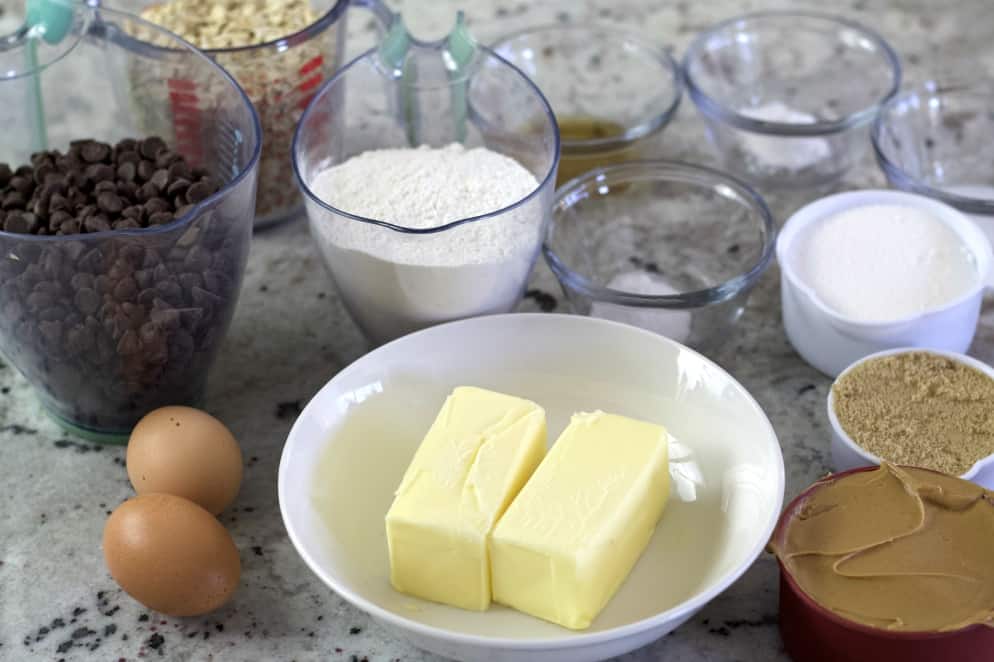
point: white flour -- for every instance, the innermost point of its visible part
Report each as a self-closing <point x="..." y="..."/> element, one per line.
<point x="395" y="282"/>
<point x="880" y="263"/>
<point x="783" y="153"/>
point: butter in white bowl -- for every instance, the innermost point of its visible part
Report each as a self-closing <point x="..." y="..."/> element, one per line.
<point x="350" y="447"/>
<point x="474" y="459"/>
<point x="574" y="532"/>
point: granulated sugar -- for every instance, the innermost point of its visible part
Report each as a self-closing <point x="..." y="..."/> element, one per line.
<point x="881" y="263"/>
<point x="394" y="282"/>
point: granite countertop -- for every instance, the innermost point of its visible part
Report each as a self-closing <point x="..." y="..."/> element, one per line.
<point x="291" y="334"/>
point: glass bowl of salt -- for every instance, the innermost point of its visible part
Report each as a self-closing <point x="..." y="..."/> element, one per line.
<point x="669" y="247"/>
<point x="787" y="97"/>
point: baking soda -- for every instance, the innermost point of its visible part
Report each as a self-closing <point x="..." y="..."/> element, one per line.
<point x="881" y="263"/>
<point x="674" y="324"/>
<point x="395" y="282"/>
<point x="780" y="152"/>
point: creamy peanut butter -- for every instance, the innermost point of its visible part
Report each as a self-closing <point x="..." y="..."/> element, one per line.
<point x="896" y="548"/>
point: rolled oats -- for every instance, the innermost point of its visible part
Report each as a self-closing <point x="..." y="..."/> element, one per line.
<point x="280" y="84"/>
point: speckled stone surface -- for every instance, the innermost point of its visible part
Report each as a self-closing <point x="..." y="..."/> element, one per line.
<point x="290" y="335"/>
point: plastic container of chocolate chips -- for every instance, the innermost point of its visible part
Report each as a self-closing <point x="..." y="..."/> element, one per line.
<point x="122" y="248"/>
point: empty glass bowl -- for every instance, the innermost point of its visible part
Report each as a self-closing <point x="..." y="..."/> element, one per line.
<point x="667" y="246"/>
<point x="938" y="140"/>
<point x="109" y="325"/>
<point x="787" y="96"/>
<point x="609" y="89"/>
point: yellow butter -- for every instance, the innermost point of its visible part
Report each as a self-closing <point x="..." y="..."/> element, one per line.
<point x="477" y="455"/>
<point x="578" y="526"/>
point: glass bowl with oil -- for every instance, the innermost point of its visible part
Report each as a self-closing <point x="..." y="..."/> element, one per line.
<point x="609" y="89"/>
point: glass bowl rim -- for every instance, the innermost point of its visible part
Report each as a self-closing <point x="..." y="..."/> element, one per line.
<point x="660" y="55"/>
<point x="673" y="171"/>
<point x="199" y="208"/>
<point x="901" y="178"/>
<point x="371" y="54"/>
<point x="712" y="107"/>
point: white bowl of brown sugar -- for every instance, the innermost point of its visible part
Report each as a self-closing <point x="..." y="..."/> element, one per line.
<point x="925" y="408"/>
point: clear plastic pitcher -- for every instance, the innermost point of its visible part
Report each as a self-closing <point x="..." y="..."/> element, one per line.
<point x="108" y="325"/>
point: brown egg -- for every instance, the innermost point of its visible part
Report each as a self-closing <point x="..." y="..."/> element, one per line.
<point x="186" y="452"/>
<point x="171" y="555"/>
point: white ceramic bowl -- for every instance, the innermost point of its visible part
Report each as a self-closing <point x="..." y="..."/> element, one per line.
<point x="830" y="341"/>
<point x="847" y="454"/>
<point x="350" y="446"/>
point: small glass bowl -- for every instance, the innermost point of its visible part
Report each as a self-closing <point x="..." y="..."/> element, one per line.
<point x="935" y="140"/>
<point x="787" y="96"/>
<point x="609" y="89"/>
<point x="667" y="246"/>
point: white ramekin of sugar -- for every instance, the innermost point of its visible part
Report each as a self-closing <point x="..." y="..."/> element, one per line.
<point x="866" y="271"/>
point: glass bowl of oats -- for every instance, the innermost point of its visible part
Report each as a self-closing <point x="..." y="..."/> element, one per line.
<point x="280" y="52"/>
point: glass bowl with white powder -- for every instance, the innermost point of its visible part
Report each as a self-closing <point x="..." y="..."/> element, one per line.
<point x="427" y="187"/>
<point x="669" y="247"/>
<point x="788" y="96"/>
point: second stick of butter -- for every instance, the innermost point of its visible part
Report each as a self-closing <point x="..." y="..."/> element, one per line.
<point x="575" y="531"/>
<point x="477" y="455"/>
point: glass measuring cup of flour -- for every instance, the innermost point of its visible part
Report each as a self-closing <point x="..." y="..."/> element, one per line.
<point x="408" y="93"/>
<point x="280" y="77"/>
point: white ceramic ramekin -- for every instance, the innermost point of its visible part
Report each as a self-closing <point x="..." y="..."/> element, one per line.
<point x="846" y="454"/>
<point x="830" y="341"/>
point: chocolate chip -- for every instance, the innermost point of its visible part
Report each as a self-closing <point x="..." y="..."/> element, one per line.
<point x="178" y="188"/>
<point x="16" y="223"/>
<point x="82" y="281"/>
<point x="133" y="212"/>
<point x="147" y="192"/>
<point x="99" y="172"/>
<point x="126" y="224"/>
<point x="97" y="223"/>
<point x="180" y="170"/>
<point x="151" y="146"/>
<point x="110" y="203"/>
<point x="127" y="171"/>
<point x="160" y="178"/>
<point x="156" y="205"/>
<point x="145" y="170"/>
<point x="160" y="218"/>
<point x="197" y="192"/>
<point x="87" y="301"/>
<point x="94" y="152"/>
<point x="23" y="185"/>
<point x="13" y="200"/>
<point x="129" y="343"/>
<point x="129" y="157"/>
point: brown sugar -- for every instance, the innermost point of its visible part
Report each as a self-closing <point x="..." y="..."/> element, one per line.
<point x="918" y="409"/>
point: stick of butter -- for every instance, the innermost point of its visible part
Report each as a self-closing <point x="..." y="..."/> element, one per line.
<point x="477" y="455"/>
<point x="578" y="526"/>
